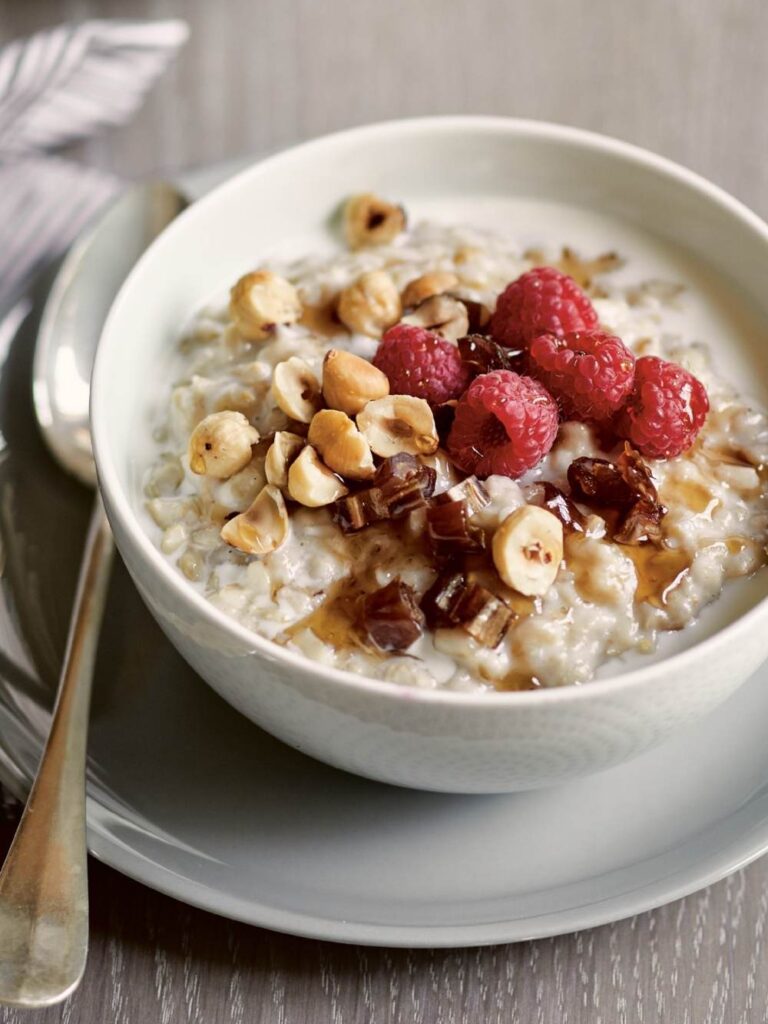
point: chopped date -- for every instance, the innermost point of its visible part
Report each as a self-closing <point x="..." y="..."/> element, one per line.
<point x="614" y="485"/>
<point x="560" y="505"/>
<point x="405" y="498"/>
<point x="641" y="524"/>
<point x="400" y="485"/>
<point x="471" y="490"/>
<point x="482" y="615"/>
<point x="356" y="511"/>
<point x="484" y="355"/>
<point x="599" y="482"/>
<point x="391" y="618"/>
<point x="479" y="316"/>
<point x="405" y="484"/>
<point x="627" y="488"/>
<point x="636" y="473"/>
<point x="399" y="468"/>
<point x="438" y="602"/>
<point x="444" y="416"/>
<point x="453" y="601"/>
<point x="450" y="531"/>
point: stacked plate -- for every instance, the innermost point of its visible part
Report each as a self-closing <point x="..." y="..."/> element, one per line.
<point x="189" y="797"/>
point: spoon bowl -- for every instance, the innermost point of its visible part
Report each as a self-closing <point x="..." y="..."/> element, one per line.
<point x="74" y="314"/>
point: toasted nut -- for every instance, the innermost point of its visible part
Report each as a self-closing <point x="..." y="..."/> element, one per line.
<point x="370" y="305"/>
<point x="220" y="445"/>
<point x="261" y="528"/>
<point x="349" y="381"/>
<point x="311" y="483"/>
<point x="283" y="450"/>
<point x="261" y="300"/>
<point x="424" y="287"/>
<point x="296" y="389"/>
<point x="399" y="423"/>
<point x="441" y="314"/>
<point x="528" y="549"/>
<point x="341" y="445"/>
<point x="369" y="220"/>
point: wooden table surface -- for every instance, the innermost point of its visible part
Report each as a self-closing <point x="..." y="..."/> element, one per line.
<point x="687" y="78"/>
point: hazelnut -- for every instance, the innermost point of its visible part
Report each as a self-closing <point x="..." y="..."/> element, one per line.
<point x="259" y="301"/>
<point x="424" y="287"/>
<point x="370" y="305"/>
<point x="341" y="445"/>
<point x="296" y="389"/>
<point x="220" y="445"/>
<point x="399" y="423"/>
<point x="283" y="450"/>
<point x="261" y="528"/>
<point x="528" y="550"/>
<point x="369" y="220"/>
<point x="441" y="314"/>
<point x="312" y="483"/>
<point x="350" y="381"/>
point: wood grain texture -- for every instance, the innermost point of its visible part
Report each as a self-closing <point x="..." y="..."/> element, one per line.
<point x="685" y="78"/>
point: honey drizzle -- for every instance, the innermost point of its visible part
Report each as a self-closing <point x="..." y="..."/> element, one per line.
<point x="335" y="620"/>
<point x="693" y="495"/>
<point x="730" y="456"/>
<point x="659" y="571"/>
<point x="735" y="545"/>
<point x="516" y="681"/>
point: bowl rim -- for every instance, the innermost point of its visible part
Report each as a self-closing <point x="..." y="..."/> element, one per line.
<point x="120" y="506"/>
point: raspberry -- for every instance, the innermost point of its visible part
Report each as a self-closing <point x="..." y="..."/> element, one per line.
<point x="590" y="373"/>
<point x="665" y="411"/>
<point x="541" y="301"/>
<point x="504" y="424"/>
<point x="421" y="363"/>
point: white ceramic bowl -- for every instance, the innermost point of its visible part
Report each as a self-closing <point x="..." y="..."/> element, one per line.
<point x="468" y="168"/>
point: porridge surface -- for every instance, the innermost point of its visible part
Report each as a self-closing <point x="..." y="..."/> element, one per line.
<point x="607" y="599"/>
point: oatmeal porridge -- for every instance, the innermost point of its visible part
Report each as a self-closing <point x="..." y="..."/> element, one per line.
<point x="437" y="459"/>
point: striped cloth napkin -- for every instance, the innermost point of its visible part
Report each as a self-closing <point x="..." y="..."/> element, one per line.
<point x="59" y="86"/>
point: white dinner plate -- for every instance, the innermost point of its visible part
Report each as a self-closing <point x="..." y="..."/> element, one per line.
<point x="188" y="797"/>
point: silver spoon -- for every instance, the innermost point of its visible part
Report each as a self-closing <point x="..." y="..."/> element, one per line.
<point x="43" y="882"/>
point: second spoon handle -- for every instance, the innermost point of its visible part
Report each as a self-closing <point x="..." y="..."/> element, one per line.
<point x="44" y="883"/>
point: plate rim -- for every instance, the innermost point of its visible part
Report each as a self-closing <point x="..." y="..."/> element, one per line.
<point x="671" y="887"/>
<point x="742" y="848"/>
<point x="593" y="914"/>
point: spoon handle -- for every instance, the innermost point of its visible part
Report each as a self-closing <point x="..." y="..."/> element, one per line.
<point x="43" y="882"/>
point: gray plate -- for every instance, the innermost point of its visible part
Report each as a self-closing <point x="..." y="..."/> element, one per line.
<point x="190" y="798"/>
